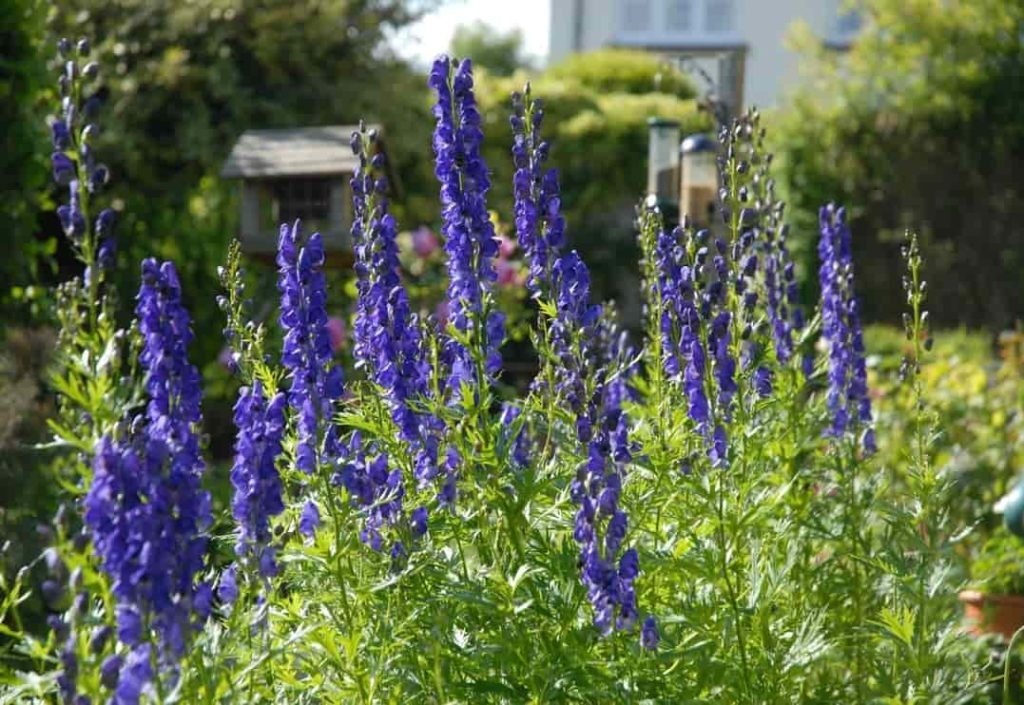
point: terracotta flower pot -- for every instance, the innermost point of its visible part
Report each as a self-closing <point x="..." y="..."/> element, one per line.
<point x="992" y="614"/>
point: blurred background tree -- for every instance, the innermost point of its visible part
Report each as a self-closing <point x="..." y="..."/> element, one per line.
<point x="501" y="53"/>
<point x="918" y="126"/>
<point x="180" y="82"/>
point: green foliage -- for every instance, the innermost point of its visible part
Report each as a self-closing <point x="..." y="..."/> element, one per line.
<point x="501" y="53"/>
<point x="182" y="81"/>
<point x="918" y="125"/>
<point x="22" y="149"/>
<point x="998" y="569"/>
<point x="623" y="71"/>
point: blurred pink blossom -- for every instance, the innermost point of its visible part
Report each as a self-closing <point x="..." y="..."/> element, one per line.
<point x="441" y="313"/>
<point x="507" y="272"/>
<point x="506" y="246"/>
<point x="336" y="330"/>
<point x="424" y="242"/>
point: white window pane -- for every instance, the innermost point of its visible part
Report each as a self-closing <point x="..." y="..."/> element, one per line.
<point x="636" y="15"/>
<point x="848" y="22"/>
<point x="719" y="16"/>
<point x="679" y="15"/>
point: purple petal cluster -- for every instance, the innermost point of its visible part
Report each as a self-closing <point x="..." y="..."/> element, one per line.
<point x="539" y="224"/>
<point x="146" y="509"/>
<point x="595" y="397"/>
<point x="470" y="241"/>
<point x="389" y="346"/>
<point x="600" y="526"/>
<point x="316" y="384"/>
<point x="376" y="485"/>
<point x="848" y="402"/>
<point x="254" y="476"/>
<point x="387" y="336"/>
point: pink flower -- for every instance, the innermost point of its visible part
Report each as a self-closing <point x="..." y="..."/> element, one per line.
<point x="441" y="313"/>
<point x="424" y="242"/>
<point x="336" y="330"/>
<point x="507" y="272"/>
<point x="506" y="246"/>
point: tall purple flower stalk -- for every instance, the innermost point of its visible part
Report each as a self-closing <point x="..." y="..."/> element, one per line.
<point x="387" y="338"/>
<point x="254" y="476"/>
<point x="146" y="509"/>
<point x="848" y="400"/>
<point x="316" y="384"/>
<point x="694" y="324"/>
<point x="595" y="400"/>
<point x="470" y="242"/>
<point x="540" y="226"/>
<point x="389" y="347"/>
<point x="73" y="162"/>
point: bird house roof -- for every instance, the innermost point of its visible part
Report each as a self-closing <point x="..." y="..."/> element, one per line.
<point x="300" y="151"/>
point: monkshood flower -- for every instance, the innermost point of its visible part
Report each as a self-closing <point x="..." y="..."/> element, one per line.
<point x="74" y="165"/>
<point x="146" y="509"/>
<point x="257" y="485"/>
<point x="518" y="443"/>
<point x="848" y="400"/>
<point x="316" y="383"/>
<point x="649" y="634"/>
<point x="470" y="241"/>
<point x="602" y="435"/>
<point x="600" y="524"/>
<point x="539" y="224"/>
<point x="376" y="486"/>
<point x="387" y="338"/>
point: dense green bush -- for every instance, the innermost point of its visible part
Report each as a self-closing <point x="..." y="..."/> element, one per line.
<point x="918" y="125"/>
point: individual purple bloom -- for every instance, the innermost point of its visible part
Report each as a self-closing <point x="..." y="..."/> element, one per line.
<point x="227" y="591"/>
<point x="309" y="521"/>
<point x="847" y="397"/>
<point x="763" y="381"/>
<point x="539" y="223"/>
<point x="719" y="449"/>
<point x="254" y="476"/>
<point x="418" y="521"/>
<point x="649" y="634"/>
<point x="316" y="383"/>
<point x="146" y="509"/>
<point x="470" y="241"/>
<point x="61" y="136"/>
<point x="110" y="669"/>
<point x="135" y="676"/>
<point x="70" y="215"/>
<point x="519" y="443"/>
<point x="63" y="168"/>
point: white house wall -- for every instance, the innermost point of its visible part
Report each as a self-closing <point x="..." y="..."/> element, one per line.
<point x="760" y="25"/>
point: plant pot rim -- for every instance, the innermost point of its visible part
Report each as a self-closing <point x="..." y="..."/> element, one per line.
<point x="978" y="597"/>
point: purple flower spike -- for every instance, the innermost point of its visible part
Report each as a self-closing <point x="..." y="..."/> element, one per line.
<point x="316" y="382"/>
<point x="848" y="400"/>
<point x="146" y="509"/>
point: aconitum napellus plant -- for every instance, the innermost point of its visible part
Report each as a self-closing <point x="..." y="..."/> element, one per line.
<point x="689" y="512"/>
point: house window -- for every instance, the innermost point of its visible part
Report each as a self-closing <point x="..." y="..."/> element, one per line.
<point x="679" y="15"/>
<point x="719" y="16"/>
<point x="305" y="198"/>
<point x="636" y="15"/>
<point x="848" y="22"/>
